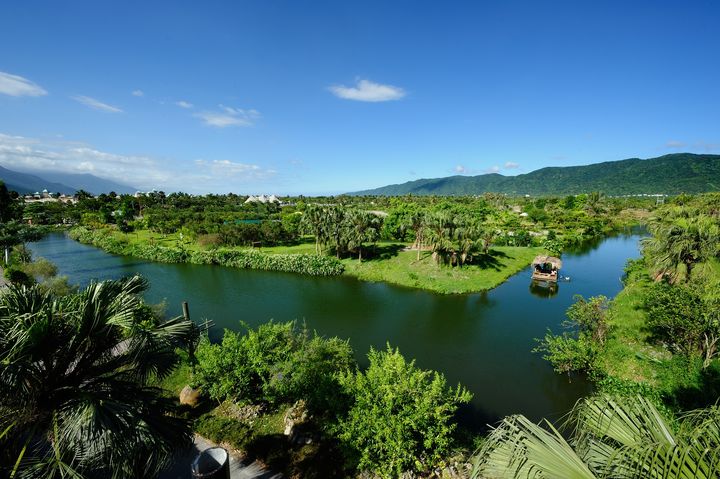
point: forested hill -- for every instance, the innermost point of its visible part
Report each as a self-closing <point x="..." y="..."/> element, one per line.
<point x="669" y="174"/>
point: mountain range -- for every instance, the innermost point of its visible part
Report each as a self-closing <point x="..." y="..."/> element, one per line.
<point x="57" y="182"/>
<point x="668" y="174"/>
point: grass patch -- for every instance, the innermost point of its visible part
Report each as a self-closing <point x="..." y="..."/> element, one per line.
<point x="403" y="268"/>
<point x="629" y="356"/>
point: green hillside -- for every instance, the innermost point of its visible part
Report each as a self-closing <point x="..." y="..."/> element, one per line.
<point x="669" y="174"/>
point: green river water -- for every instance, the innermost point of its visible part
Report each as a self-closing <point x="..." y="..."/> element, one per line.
<point x="483" y="340"/>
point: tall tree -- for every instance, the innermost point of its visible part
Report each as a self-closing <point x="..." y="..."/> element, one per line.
<point x="13" y="233"/>
<point x="8" y="206"/>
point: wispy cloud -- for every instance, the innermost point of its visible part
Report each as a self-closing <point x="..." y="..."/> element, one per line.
<point x="698" y="145"/>
<point x="511" y="165"/>
<point x="492" y="169"/>
<point x="96" y="104"/>
<point x="184" y="104"/>
<point x="15" y="85"/>
<point x="30" y="154"/>
<point x="366" y="90"/>
<point x="228" y="116"/>
<point x="138" y="93"/>
<point x="227" y="168"/>
<point x="460" y="169"/>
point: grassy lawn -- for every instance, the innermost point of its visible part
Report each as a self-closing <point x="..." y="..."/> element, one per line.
<point x="404" y="269"/>
<point x="630" y="355"/>
<point x="627" y="354"/>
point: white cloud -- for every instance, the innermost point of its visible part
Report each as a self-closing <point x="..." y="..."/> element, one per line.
<point x="184" y="104"/>
<point x="138" y="93"/>
<point x="29" y="154"/>
<point x="366" y="90"/>
<point x="511" y="165"/>
<point x="96" y="104"/>
<point x="15" y="85"/>
<point x="228" y="116"/>
<point x="460" y="169"/>
<point x="492" y="169"/>
<point x="226" y="168"/>
<point x="675" y="144"/>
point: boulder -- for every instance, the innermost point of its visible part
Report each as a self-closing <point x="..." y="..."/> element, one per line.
<point x="190" y="396"/>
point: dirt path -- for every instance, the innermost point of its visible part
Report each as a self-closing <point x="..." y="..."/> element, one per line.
<point x="238" y="468"/>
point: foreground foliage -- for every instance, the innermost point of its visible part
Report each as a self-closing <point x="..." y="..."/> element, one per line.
<point x="400" y="418"/>
<point x="611" y="437"/>
<point x="74" y="375"/>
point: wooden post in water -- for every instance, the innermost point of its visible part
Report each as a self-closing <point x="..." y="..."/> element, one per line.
<point x="186" y="311"/>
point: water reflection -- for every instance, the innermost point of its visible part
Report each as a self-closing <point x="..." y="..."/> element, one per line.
<point x="544" y="289"/>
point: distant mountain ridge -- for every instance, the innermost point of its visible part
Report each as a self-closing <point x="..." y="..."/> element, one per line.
<point x="55" y="182"/>
<point x="668" y="174"/>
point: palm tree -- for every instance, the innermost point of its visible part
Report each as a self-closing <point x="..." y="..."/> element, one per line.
<point x="313" y="222"/>
<point x="594" y="202"/>
<point x="612" y="438"/>
<point x="467" y="234"/>
<point x="361" y="227"/>
<point x="75" y="399"/>
<point x="439" y="231"/>
<point x="417" y="222"/>
<point x="681" y="238"/>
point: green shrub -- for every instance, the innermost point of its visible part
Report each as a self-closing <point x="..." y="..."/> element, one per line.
<point x="247" y="259"/>
<point x="275" y="363"/>
<point x="18" y="277"/>
<point x="401" y="416"/>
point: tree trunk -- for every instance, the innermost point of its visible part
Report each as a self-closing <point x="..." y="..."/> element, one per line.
<point x="360" y="254"/>
<point x="7" y="256"/>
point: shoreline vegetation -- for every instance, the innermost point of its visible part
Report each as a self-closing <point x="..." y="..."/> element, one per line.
<point x="395" y="263"/>
<point x="659" y="336"/>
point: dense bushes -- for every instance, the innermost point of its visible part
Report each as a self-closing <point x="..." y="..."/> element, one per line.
<point x="247" y="259"/>
<point x="400" y="418"/>
<point x="274" y="364"/>
<point x="387" y="419"/>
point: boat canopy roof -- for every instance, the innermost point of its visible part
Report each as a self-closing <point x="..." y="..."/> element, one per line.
<point x="552" y="260"/>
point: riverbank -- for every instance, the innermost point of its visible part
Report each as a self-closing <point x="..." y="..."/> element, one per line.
<point x="632" y="358"/>
<point x="389" y="262"/>
<point x="405" y="269"/>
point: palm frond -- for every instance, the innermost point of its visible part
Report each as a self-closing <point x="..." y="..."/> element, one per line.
<point x="520" y="448"/>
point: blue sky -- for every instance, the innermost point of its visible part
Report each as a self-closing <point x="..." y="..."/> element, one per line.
<point x="328" y="97"/>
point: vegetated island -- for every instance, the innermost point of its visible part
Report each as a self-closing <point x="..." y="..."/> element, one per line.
<point x="444" y="245"/>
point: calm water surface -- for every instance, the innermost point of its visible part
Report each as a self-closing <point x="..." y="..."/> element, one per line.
<point x="481" y="340"/>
